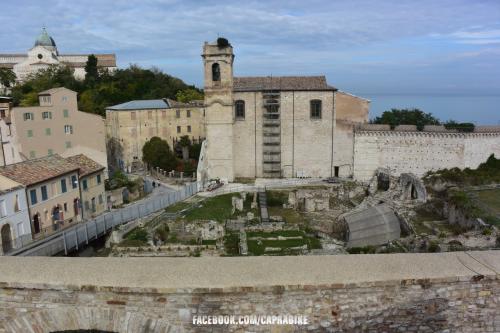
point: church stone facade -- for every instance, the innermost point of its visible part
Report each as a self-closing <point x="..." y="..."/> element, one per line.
<point x="292" y="126"/>
<point x="44" y="54"/>
<point x="300" y="126"/>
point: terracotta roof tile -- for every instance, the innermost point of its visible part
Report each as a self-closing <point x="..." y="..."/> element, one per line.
<point x="310" y="83"/>
<point x="87" y="165"/>
<point x="37" y="170"/>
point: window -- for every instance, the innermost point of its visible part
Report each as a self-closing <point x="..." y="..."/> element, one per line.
<point x="85" y="185"/>
<point x="3" y="212"/>
<point x="188" y="113"/>
<point x="45" y="195"/>
<point x="74" y="182"/>
<point x="315" y="109"/>
<point x="150" y="114"/>
<point x="177" y="113"/>
<point x="16" y="204"/>
<point x="239" y="110"/>
<point x="178" y="129"/>
<point x="100" y="199"/>
<point x="68" y="129"/>
<point x="28" y="116"/>
<point x="30" y="133"/>
<point x="98" y="178"/>
<point x="164" y="114"/>
<point x="46" y="115"/>
<point x="64" y="189"/>
<point x="32" y="154"/>
<point x="65" y="206"/>
<point x="65" y="113"/>
<point x="215" y="72"/>
<point x="33" y="197"/>
<point x="50" y="152"/>
<point x="48" y="131"/>
<point x="132" y="115"/>
<point x="189" y="129"/>
<point x="64" y="98"/>
<point x="68" y="144"/>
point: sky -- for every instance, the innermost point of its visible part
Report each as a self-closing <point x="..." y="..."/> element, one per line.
<point x="369" y="48"/>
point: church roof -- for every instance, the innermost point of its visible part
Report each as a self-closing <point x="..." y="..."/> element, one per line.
<point x="44" y="39"/>
<point x="141" y="105"/>
<point x="301" y="83"/>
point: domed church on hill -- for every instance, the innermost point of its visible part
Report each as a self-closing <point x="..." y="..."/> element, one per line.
<point x="44" y="53"/>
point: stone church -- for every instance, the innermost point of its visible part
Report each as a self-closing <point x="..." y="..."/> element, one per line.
<point x="289" y="126"/>
<point x="44" y="53"/>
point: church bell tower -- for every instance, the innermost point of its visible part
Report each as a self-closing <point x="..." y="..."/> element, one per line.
<point x="218" y="69"/>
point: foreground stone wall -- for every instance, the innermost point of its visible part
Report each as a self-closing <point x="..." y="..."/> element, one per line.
<point x="452" y="292"/>
<point x="419" y="152"/>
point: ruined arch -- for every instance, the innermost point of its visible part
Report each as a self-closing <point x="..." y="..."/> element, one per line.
<point x="88" y="319"/>
<point x="412" y="187"/>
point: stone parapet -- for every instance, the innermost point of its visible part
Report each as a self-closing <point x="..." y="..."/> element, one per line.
<point x="454" y="292"/>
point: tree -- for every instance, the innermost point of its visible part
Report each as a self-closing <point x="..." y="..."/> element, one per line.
<point x="91" y="70"/>
<point x="7" y="78"/>
<point x="188" y="95"/>
<point x="156" y="153"/>
<point x="461" y="127"/>
<point x="185" y="143"/>
<point x="397" y="117"/>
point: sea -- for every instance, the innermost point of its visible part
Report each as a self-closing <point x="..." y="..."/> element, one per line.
<point x="480" y="110"/>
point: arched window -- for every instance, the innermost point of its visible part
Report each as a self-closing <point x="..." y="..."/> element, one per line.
<point x="315" y="109"/>
<point x="239" y="107"/>
<point x="215" y="72"/>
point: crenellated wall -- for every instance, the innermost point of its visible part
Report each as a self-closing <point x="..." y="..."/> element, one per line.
<point x="445" y="292"/>
<point x="407" y="150"/>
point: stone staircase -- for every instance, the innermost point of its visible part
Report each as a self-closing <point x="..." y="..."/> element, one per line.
<point x="264" y="215"/>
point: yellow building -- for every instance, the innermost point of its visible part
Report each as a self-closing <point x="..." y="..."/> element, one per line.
<point x="54" y="127"/>
<point x="52" y="191"/>
<point x="130" y="125"/>
<point x="91" y="179"/>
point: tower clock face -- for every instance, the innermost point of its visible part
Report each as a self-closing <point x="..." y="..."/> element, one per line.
<point x="40" y="56"/>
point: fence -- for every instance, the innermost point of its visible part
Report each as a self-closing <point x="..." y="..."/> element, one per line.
<point x="74" y="237"/>
<point x="228" y="188"/>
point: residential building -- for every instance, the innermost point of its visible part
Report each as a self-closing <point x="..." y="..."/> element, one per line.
<point x="52" y="190"/>
<point x="54" y="127"/>
<point x="15" y="226"/>
<point x="44" y="54"/>
<point x="91" y="179"/>
<point x="130" y="125"/>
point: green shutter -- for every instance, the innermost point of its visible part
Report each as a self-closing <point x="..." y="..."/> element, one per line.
<point x="65" y="113"/>
<point x="47" y="131"/>
<point x="30" y="133"/>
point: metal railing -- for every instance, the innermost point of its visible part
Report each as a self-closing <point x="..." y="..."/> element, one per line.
<point x="79" y="234"/>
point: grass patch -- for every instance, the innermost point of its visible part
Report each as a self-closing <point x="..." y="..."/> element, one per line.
<point x="289" y="215"/>
<point x="257" y="249"/>
<point x="139" y="234"/>
<point x="232" y="244"/>
<point x="491" y="198"/>
<point x="177" y="207"/>
<point x="217" y="208"/>
<point x="276" y="198"/>
<point x="132" y="243"/>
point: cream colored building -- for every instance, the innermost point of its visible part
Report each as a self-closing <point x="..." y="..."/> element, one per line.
<point x="52" y="190"/>
<point x="291" y="126"/>
<point x="54" y="127"/>
<point x="44" y="54"/>
<point x="130" y="125"/>
<point x="91" y="178"/>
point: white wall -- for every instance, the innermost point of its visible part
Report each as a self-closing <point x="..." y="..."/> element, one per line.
<point x="419" y="152"/>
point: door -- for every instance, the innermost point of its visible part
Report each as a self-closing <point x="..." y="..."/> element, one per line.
<point x="6" y="238"/>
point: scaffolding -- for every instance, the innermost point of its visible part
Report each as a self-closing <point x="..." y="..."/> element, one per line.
<point x="271" y="133"/>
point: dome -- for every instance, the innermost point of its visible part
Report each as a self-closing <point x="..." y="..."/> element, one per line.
<point x="45" y="40"/>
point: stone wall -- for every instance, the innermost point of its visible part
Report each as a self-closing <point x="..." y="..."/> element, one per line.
<point x="447" y="292"/>
<point x="419" y="152"/>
